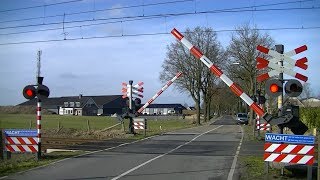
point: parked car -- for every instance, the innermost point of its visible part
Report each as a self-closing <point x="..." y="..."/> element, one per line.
<point x="242" y="118"/>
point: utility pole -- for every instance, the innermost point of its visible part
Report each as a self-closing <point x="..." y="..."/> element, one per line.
<point x="38" y="64"/>
<point x="131" y="128"/>
<point x="280" y="49"/>
<point x="39" y="82"/>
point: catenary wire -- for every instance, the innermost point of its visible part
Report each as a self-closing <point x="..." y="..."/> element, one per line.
<point x="151" y="34"/>
<point x="97" y="10"/>
<point x="165" y="15"/>
<point x="38" y="6"/>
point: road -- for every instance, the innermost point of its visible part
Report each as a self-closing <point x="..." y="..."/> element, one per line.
<point x="206" y="152"/>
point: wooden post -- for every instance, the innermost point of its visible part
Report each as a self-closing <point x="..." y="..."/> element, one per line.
<point x="309" y="172"/>
<point x="266" y="170"/>
<point x="88" y="125"/>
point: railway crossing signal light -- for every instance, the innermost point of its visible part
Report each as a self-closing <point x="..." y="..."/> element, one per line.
<point x="274" y="87"/>
<point x="293" y="88"/>
<point x="42" y="91"/>
<point x="137" y="104"/>
<point x="29" y="92"/>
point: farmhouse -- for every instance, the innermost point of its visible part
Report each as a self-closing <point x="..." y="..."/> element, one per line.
<point x="98" y="105"/>
<point x="82" y="105"/>
<point x="163" y="109"/>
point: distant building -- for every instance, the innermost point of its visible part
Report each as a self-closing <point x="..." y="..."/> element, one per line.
<point x="82" y="105"/>
<point x="306" y="102"/>
<point x="98" y="105"/>
<point x="163" y="109"/>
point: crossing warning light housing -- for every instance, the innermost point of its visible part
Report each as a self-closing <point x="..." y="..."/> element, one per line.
<point x="274" y="87"/>
<point x="293" y="88"/>
<point x="29" y="92"/>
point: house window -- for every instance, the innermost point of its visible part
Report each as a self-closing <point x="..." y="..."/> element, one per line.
<point x="77" y="104"/>
<point x="71" y="104"/>
<point x="66" y="104"/>
<point x="71" y="112"/>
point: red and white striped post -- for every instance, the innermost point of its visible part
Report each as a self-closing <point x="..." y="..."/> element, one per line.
<point x="39" y="127"/>
<point x="215" y="70"/>
<point x="160" y="92"/>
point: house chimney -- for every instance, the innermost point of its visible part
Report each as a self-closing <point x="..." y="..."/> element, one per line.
<point x="80" y="96"/>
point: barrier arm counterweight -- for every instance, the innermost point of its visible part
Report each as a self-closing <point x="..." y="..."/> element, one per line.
<point x="215" y="70"/>
<point x="160" y="92"/>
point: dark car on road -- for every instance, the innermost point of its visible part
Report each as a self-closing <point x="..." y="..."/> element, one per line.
<point x="242" y="118"/>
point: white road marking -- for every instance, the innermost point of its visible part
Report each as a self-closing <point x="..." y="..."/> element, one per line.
<point x="234" y="162"/>
<point x="82" y="155"/>
<point x="157" y="157"/>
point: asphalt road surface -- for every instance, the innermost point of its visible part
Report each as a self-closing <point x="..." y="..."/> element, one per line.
<point x="206" y="152"/>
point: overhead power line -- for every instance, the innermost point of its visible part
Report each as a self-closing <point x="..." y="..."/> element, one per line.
<point x="38" y="6"/>
<point x="151" y="34"/>
<point x="138" y="18"/>
<point x="97" y="10"/>
<point x="145" y="5"/>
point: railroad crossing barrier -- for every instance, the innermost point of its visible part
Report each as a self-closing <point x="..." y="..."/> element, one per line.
<point x="218" y="72"/>
<point x="140" y="124"/>
<point x="288" y="148"/>
<point x="20" y="141"/>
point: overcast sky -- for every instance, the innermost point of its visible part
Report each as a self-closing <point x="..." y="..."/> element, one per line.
<point x="121" y="50"/>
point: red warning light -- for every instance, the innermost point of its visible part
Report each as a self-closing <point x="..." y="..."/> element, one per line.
<point x="29" y="92"/>
<point x="274" y="88"/>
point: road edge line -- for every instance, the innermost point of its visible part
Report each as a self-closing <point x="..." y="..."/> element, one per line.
<point x="234" y="162"/>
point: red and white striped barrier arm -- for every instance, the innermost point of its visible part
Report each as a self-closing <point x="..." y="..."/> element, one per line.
<point x="215" y="70"/>
<point x="160" y="92"/>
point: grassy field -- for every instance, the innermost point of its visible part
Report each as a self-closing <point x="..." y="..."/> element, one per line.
<point x="51" y="124"/>
<point x="26" y="121"/>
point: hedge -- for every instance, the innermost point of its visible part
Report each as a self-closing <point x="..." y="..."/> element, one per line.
<point x="310" y="116"/>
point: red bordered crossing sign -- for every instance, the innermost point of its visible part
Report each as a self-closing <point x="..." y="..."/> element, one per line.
<point x="288" y="66"/>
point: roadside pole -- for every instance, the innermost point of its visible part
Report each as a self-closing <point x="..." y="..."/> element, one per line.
<point x="131" y="128"/>
<point x="280" y="49"/>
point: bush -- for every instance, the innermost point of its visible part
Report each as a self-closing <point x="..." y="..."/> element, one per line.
<point x="310" y="116"/>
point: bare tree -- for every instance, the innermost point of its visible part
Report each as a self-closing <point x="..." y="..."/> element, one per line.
<point x="196" y="77"/>
<point x="242" y="55"/>
<point x="306" y="91"/>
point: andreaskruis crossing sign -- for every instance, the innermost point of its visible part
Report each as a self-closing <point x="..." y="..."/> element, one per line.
<point x="286" y="58"/>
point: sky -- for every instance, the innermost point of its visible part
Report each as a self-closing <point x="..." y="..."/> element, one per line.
<point x="114" y="41"/>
